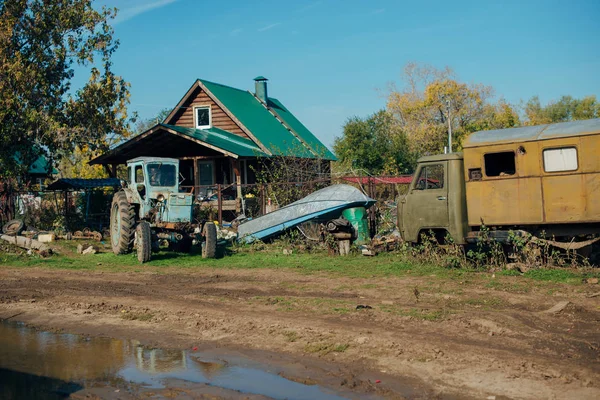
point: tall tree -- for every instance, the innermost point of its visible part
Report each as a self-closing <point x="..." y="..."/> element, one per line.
<point x="375" y="145"/>
<point x="145" y="124"/>
<point x="564" y="109"/>
<point x="433" y="102"/>
<point x="41" y="42"/>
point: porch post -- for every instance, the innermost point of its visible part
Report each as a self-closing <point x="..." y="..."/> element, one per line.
<point x="196" y="176"/>
<point x="238" y="183"/>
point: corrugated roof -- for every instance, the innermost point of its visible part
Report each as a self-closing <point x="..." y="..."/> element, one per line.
<point x="264" y="125"/>
<point x="531" y="133"/>
<point x="221" y="139"/>
<point x="80" y="184"/>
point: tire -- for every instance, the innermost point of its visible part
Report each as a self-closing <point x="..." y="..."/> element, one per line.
<point x="13" y="227"/>
<point x="143" y="239"/>
<point x="209" y="247"/>
<point x="122" y="223"/>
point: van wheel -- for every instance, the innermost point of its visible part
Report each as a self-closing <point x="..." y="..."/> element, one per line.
<point x="143" y="239"/>
<point x="209" y="247"/>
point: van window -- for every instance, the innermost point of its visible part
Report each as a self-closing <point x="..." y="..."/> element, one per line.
<point x="139" y="174"/>
<point x="558" y="160"/>
<point x="128" y="174"/>
<point x="500" y="164"/>
<point x="430" y="177"/>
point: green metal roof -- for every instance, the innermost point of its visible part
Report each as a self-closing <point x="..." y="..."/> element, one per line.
<point x="41" y="166"/>
<point x="302" y="131"/>
<point x="221" y="139"/>
<point x="272" y="133"/>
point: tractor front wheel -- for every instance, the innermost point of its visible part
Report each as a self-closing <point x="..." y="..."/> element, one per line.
<point x="143" y="241"/>
<point x="209" y="247"/>
<point x="122" y="222"/>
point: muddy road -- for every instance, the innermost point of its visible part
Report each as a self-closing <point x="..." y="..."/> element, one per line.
<point x="421" y="337"/>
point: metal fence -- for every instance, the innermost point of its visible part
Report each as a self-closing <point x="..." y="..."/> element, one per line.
<point x="216" y="202"/>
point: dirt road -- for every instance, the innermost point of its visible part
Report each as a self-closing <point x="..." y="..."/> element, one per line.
<point x="422" y="337"/>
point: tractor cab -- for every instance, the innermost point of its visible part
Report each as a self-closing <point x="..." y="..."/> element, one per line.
<point x="153" y="184"/>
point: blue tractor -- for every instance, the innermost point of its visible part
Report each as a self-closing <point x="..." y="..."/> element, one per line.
<point x="149" y="209"/>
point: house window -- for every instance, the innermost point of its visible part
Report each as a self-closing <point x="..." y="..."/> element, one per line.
<point x="558" y="160"/>
<point x="500" y="164"/>
<point x="430" y="177"/>
<point x="203" y="117"/>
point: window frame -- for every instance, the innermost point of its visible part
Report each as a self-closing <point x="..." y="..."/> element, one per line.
<point x="560" y="148"/>
<point x="206" y="107"/>
<point x="137" y="168"/>
<point x="418" y="175"/>
<point x="485" y="170"/>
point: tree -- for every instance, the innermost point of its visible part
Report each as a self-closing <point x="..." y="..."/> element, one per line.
<point x="41" y="42"/>
<point x="434" y="101"/>
<point x="374" y="145"/>
<point x="565" y="109"/>
<point x="145" y="124"/>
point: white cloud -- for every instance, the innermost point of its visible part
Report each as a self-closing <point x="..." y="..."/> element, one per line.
<point x="132" y="8"/>
<point x="235" y="32"/>
<point x="378" y="11"/>
<point x="266" y="28"/>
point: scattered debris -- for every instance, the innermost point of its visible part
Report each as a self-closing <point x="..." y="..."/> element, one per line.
<point x="89" y="250"/>
<point x="368" y="252"/>
<point x="27" y="243"/>
<point x="594" y="295"/>
<point x="593" y="281"/>
<point x="288" y="252"/>
<point x="558" y="307"/>
<point x="416" y="293"/>
<point x="363" y="307"/>
<point x="13" y="227"/>
<point x="387" y="302"/>
<point x="46" y="237"/>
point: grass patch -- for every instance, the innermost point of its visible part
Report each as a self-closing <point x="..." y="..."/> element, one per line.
<point x="354" y="266"/>
<point x="291" y="336"/>
<point x="326" y="348"/>
<point x="417" y="313"/>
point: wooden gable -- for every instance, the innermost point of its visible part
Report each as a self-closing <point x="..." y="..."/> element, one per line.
<point x="185" y="115"/>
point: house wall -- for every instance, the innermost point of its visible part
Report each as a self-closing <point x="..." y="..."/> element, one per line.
<point x="185" y="117"/>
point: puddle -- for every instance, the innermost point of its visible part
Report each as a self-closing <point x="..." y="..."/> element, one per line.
<point x="45" y="365"/>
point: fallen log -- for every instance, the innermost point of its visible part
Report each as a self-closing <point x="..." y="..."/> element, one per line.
<point x="27" y="243"/>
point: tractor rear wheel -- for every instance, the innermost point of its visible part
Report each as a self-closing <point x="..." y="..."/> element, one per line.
<point x="122" y="222"/>
<point x="209" y="247"/>
<point x="143" y="241"/>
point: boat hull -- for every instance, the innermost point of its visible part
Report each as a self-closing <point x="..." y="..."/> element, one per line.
<point x="323" y="204"/>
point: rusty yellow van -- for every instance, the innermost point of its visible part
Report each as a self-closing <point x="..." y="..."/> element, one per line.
<point x="539" y="179"/>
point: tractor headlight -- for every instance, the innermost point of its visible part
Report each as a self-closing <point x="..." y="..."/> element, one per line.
<point x="160" y="198"/>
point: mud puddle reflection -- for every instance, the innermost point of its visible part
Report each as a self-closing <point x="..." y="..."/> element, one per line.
<point x="45" y="365"/>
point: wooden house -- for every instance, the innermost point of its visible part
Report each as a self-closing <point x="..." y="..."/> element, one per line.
<point x="219" y="133"/>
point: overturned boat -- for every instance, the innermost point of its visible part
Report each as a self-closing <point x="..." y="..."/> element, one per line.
<point x="323" y="204"/>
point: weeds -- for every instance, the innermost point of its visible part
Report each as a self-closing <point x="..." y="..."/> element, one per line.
<point x="326" y="348"/>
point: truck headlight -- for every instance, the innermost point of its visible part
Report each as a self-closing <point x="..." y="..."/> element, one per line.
<point x="160" y="198"/>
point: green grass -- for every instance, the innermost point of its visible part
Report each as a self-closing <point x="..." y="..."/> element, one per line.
<point x="356" y="266"/>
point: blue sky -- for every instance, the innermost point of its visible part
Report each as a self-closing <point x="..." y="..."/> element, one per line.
<point x="328" y="60"/>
